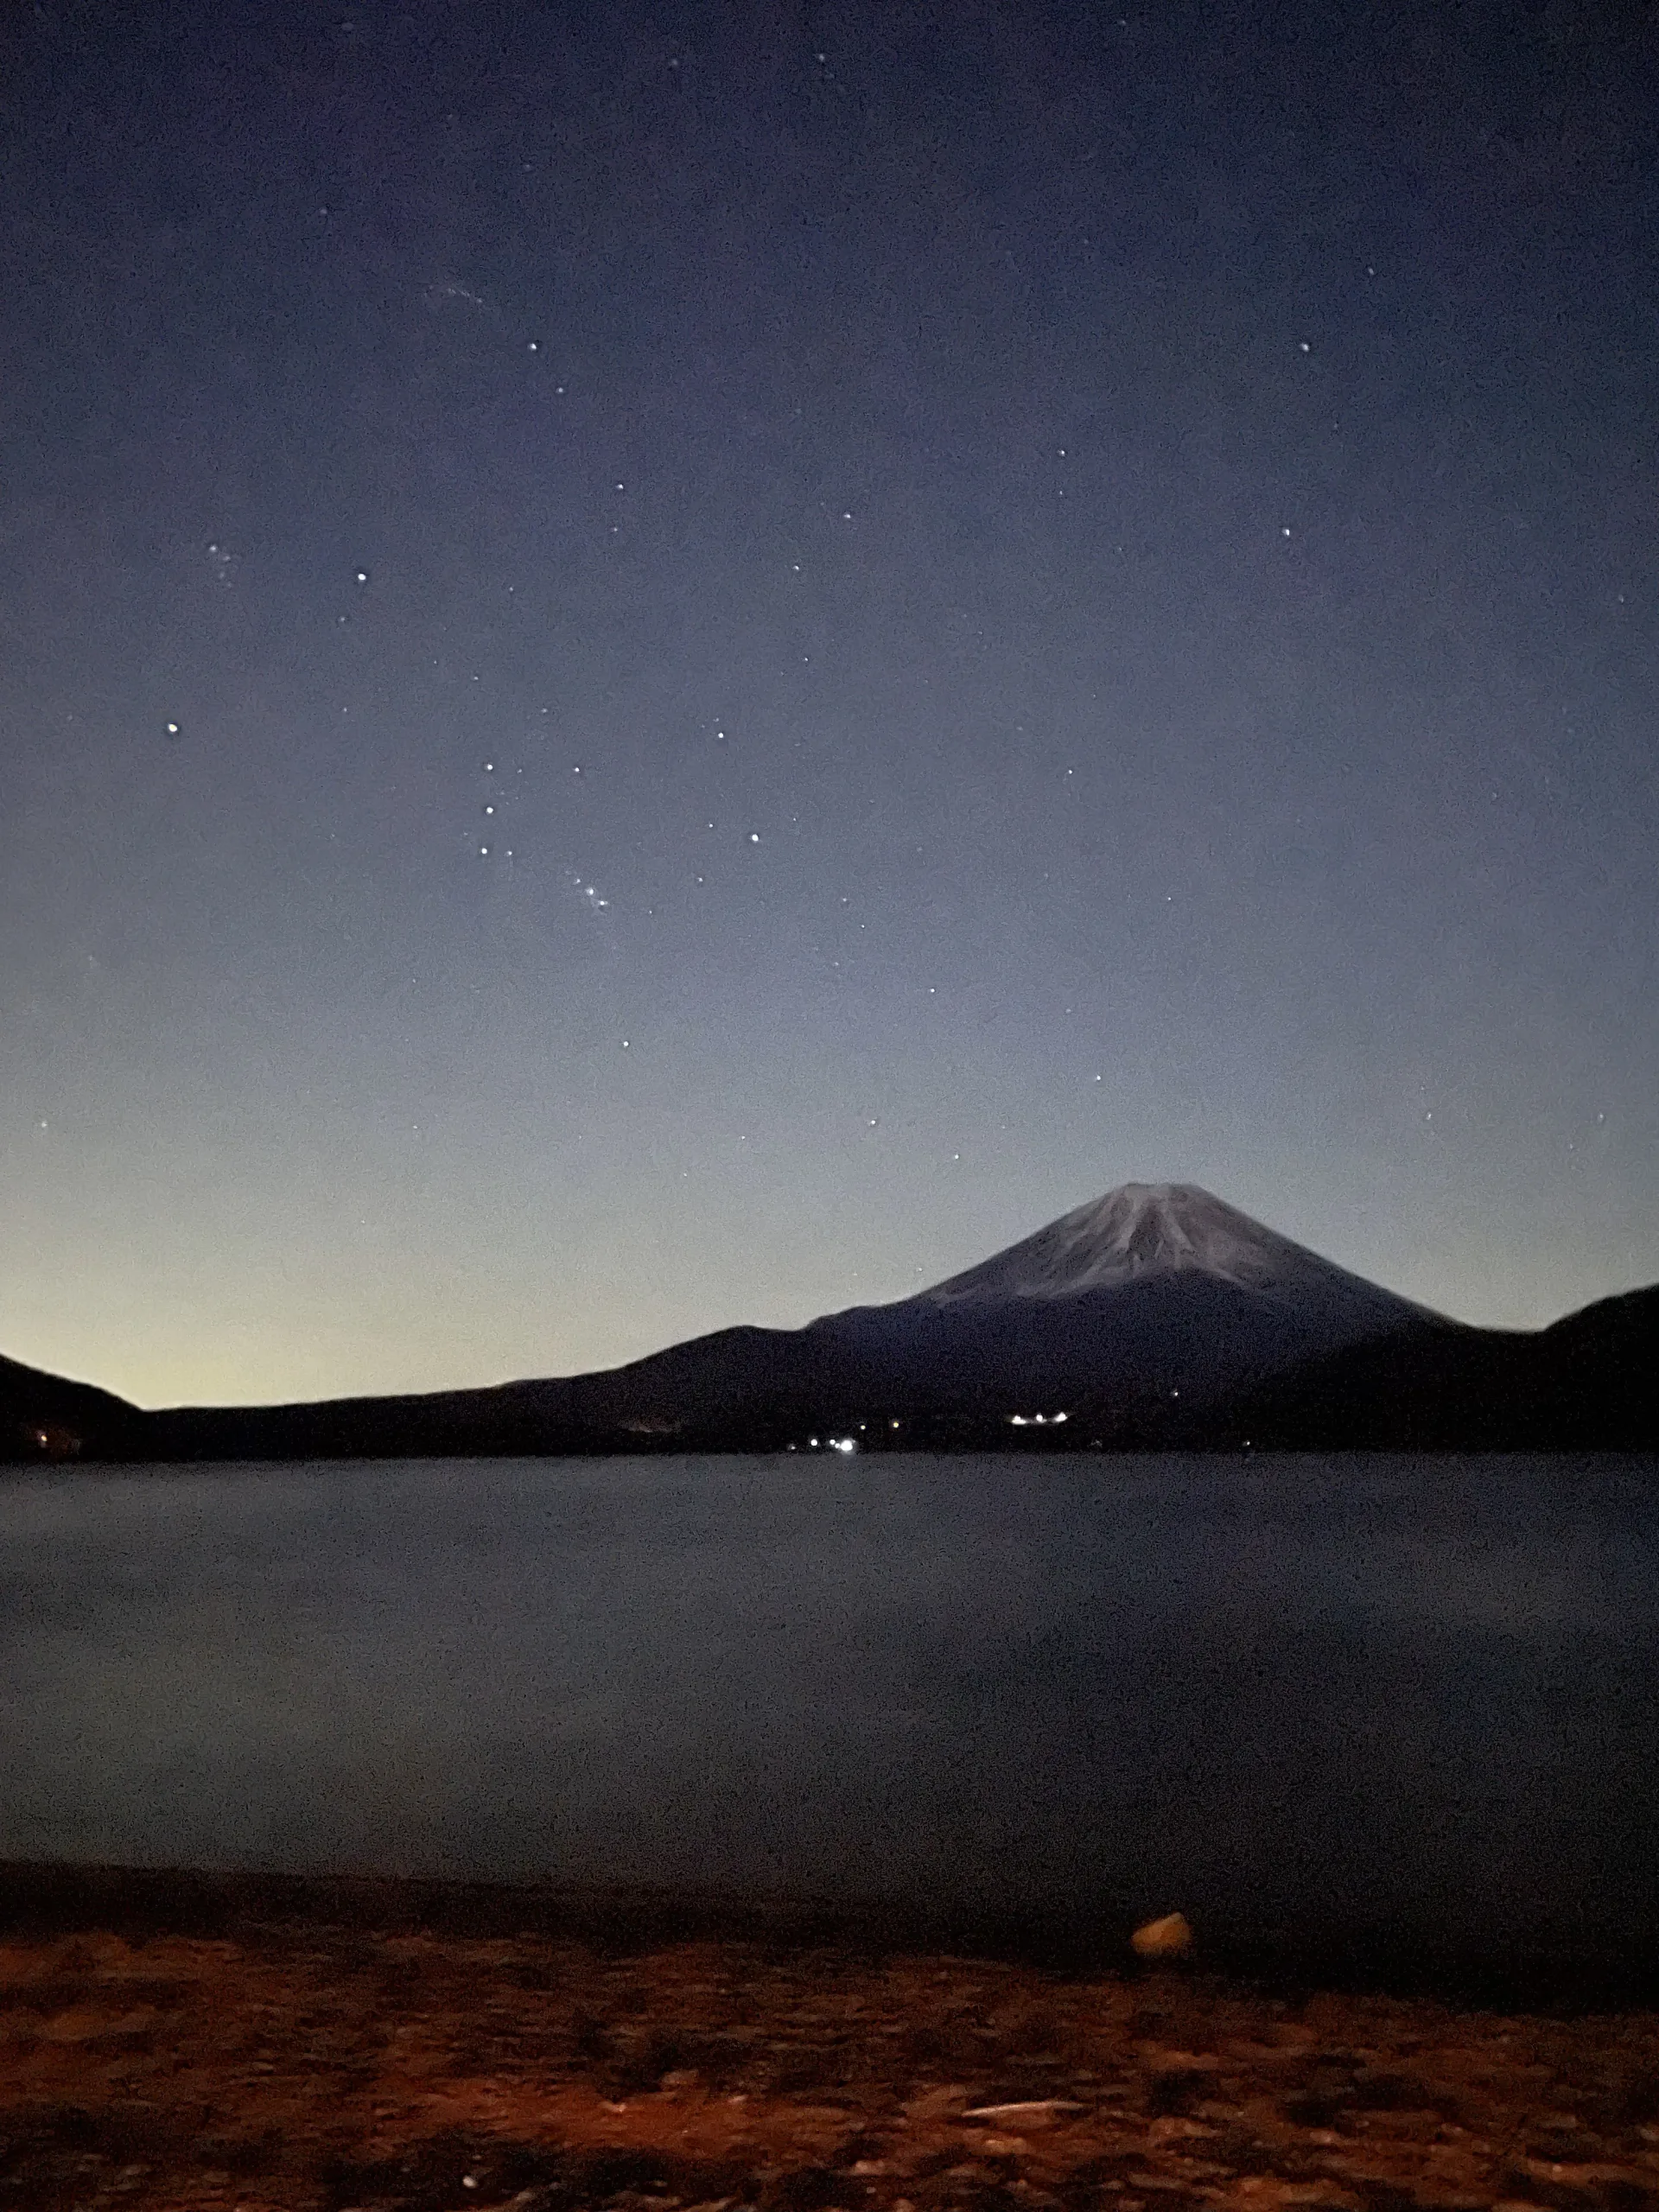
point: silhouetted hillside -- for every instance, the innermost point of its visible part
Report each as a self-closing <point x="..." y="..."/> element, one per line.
<point x="1588" y="1382"/>
<point x="44" y="1417"/>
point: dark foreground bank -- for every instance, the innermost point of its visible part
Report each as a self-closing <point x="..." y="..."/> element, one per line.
<point x="191" y="2040"/>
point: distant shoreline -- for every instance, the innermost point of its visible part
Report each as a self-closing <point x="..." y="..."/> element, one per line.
<point x="1589" y="1384"/>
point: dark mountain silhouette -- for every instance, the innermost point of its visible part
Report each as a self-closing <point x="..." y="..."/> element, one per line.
<point x="1154" y="1316"/>
<point x="1587" y="1382"/>
<point x="44" y="1417"/>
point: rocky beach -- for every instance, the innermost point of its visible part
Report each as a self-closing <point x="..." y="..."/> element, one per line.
<point x="228" y="2043"/>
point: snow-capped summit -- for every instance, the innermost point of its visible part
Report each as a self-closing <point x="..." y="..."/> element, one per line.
<point x="1158" y="1292"/>
<point x="1142" y="1229"/>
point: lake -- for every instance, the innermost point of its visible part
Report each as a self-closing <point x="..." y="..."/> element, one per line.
<point x="1422" y="1693"/>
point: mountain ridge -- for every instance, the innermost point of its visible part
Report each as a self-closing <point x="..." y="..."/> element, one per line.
<point x="1155" y="1316"/>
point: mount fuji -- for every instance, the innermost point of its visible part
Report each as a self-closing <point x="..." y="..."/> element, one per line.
<point x="1158" y="1295"/>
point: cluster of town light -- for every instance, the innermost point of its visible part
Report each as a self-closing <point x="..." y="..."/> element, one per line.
<point x="1035" y="1420"/>
<point x="833" y="1443"/>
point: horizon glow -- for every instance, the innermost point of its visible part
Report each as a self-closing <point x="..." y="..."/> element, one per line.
<point x="666" y="669"/>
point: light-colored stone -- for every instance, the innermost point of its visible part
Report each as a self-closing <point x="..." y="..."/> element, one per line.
<point x="1032" y="2112"/>
<point x="1168" y="1938"/>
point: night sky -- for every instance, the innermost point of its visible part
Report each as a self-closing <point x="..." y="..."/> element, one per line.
<point x="671" y="664"/>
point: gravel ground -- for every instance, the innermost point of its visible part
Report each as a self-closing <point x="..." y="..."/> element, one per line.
<point x="305" y="2063"/>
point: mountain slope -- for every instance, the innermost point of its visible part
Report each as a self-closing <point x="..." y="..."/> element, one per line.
<point x="1131" y="1315"/>
<point x="1154" y="1290"/>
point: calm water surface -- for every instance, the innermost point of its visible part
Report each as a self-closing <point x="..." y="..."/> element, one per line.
<point x="1425" y="1690"/>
